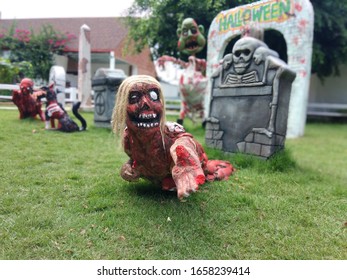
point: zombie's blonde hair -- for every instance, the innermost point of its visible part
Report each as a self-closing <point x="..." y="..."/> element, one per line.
<point x="122" y="98"/>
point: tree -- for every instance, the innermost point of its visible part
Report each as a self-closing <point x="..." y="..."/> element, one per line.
<point x="37" y="49"/>
<point x="159" y="21"/>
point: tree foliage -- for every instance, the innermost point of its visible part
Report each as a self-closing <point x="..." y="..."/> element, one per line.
<point x="154" y="23"/>
<point x="37" y="49"/>
<point x="330" y="37"/>
<point x="12" y="72"/>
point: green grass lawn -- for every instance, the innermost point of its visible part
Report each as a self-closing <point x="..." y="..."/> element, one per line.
<point x="61" y="197"/>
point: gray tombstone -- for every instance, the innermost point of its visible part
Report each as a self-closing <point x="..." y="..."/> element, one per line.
<point x="105" y="85"/>
<point x="249" y="101"/>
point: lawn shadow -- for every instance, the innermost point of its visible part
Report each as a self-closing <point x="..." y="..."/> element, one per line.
<point x="147" y="189"/>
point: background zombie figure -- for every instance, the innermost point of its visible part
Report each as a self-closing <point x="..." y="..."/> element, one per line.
<point x="193" y="82"/>
<point x="160" y="151"/>
<point x="55" y="111"/>
<point x="27" y="101"/>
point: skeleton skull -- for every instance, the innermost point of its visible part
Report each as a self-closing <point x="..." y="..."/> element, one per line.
<point x="243" y="51"/>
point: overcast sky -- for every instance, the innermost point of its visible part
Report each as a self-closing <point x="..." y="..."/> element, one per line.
<point x="12" y="9"/>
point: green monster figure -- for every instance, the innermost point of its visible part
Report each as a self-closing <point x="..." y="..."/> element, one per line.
<point x="191" y="39"/>
<point x="193" y="82"/>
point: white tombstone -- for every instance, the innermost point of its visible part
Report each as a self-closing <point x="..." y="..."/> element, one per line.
<point x="295" y="20"/>
<point x="57" y="75"/>
<point x="84" y="68"/>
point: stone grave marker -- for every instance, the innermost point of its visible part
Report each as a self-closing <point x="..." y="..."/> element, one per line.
<point x="250" y="100"/>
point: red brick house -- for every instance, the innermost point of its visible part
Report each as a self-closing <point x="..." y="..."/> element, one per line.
<point x="107" y="34"/>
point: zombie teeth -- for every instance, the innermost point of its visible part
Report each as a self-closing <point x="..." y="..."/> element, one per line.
<point x="147" y="116"/>
<point x="147" y="120"/>
<point x="148" y="125"/>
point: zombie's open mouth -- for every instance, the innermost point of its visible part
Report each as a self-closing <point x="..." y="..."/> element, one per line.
<point x="144" y="120"/>
<point x="192" y="45"/>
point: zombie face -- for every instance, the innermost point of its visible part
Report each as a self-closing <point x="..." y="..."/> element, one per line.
<point x="50" y="95"/>
<point x="144" y="109"/>
<point x="191" y="39"/>
<point x="26" y="86"/>
<point x="243" y="51"/>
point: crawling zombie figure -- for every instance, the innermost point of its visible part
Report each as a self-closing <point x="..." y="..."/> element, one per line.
<point x="160" y="151"/>
<point x="55" y="111"/>
<point x="193" y="82"/>
<point x="27" y="100"/>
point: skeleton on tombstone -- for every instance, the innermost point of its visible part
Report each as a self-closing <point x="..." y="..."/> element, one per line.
<point x="250" y="100"/>
<point x="193" y="82"/>
<point x="245" y="51"/>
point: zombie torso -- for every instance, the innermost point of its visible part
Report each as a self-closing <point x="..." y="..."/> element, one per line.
<point x="192" y="86"/>
<point x="149" y="158"/>
<point x="55" y="111"/>
<point x="150" y="161"/>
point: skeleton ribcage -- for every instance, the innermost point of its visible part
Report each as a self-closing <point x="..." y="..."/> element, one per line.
<point x="248" y="78"/>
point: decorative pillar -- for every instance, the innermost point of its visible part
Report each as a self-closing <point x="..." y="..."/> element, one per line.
<point x="84" y="68"/>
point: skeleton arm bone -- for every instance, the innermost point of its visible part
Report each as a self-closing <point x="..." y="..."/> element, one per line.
<point x="261" y="53"/>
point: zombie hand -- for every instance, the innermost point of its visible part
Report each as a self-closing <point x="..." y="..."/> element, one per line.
<point x="165" y="58"/>
<point x="128" y="173"/>
<point x="218" y="170"/>
<point x="187" y="172"/>
<point x="38" y="94"/>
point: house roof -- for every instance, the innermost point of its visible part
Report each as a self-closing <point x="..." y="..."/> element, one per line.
<point x="107" y="34"/>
